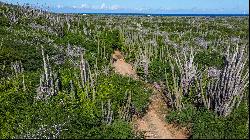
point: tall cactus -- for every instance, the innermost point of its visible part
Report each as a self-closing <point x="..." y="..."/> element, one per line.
<point x="226" y="92"/>
<point x="107" y="112"/>
<point x="50" y="83"/>
<point x="73" y="90"/>
<point x="182" y="82"/>
<point x="125" y="112"/>
<point x="45" y="67"/>
<point x="83" y="70"/>
<point x="17" y="67"/>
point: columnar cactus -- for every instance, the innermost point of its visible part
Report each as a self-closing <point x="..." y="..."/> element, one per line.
<point x="226" y="92"/>
<point x="50" y="83"/>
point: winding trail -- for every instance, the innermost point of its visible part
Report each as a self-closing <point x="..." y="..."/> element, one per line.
<point x="153" y="124"/>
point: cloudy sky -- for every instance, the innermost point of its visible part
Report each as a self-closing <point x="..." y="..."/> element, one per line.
<point x="141" y="6"/>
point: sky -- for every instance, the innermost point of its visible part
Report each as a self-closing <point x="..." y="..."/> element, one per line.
<point x="141" y="6"/>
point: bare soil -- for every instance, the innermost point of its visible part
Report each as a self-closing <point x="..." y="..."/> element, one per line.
<point x="153" y="124"/>
<point x="121" y="67"/>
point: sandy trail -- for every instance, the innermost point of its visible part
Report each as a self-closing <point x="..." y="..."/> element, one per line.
<point x="153" y="124"/>
<point x="120" y="66"/>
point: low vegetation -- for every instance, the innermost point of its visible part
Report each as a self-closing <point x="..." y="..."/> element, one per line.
<point x="56" y="78"/>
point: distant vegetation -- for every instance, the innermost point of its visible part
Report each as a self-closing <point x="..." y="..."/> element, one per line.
<point x="56" y="79"/>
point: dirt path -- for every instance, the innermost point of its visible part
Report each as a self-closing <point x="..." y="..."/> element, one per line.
<point x="153" y="123"/>
<point x="121" y="67"/>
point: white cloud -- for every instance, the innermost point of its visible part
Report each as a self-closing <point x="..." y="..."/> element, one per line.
<point x="142" y="9"/>
<point x="103" y="6"/>
<point x="115" y="7"/>
<point x="139" y="9"/>
<point x="59" y="6"/>
<point x="82" y="6"/>
<point x="165" y="9"/>
<point x="85" y="6"/>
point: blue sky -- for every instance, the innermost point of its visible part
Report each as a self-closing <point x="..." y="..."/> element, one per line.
<point x="142" y="6"/>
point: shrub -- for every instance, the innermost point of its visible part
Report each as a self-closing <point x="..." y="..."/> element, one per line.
<point x="118" y="130"/>
<point x="209" y="58"/>
<point x="157" y="70"/>
<point x="205" y="124"/>
<point x="115" y="87"/>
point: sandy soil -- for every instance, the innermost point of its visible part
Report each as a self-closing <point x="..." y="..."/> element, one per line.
<point x="121" y="67"/>
<point x="154" y="124"/>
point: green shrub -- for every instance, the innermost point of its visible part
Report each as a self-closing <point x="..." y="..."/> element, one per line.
<point x="209" y="58"/>
<point x="207" y="125"/>
<point x="118" y="130"/>
<point x="236" y="124"/>
<point x="157" y="70"/>
<point x="115" y="87"/>
<point x="4" y="21"/>
<point x="183" y="117"/>
<point x="204" y="124"/>
<point x="21" y="115"/>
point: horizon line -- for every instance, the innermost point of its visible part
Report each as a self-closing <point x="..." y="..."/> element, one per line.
<point x="127" y="13"/>
<point x="52" y="10"/>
